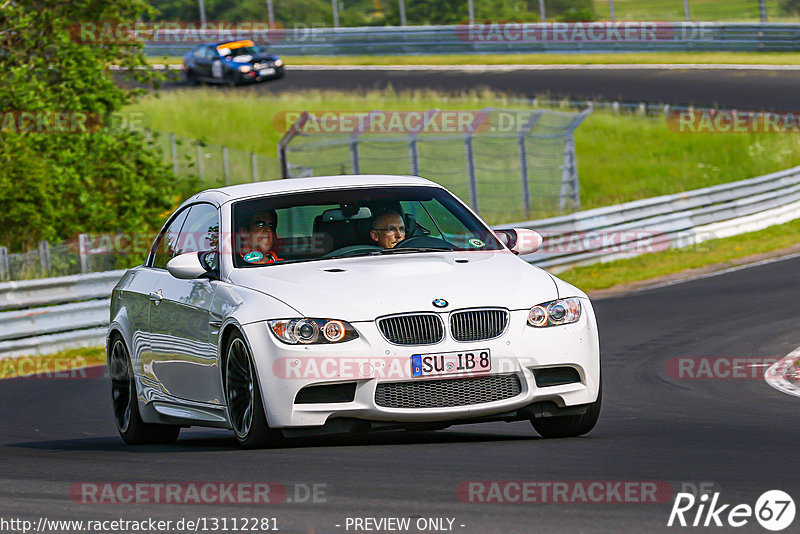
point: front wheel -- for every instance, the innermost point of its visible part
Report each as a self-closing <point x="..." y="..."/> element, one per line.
<point x="568" y="426"/>
<point x="245" y="407"/>
<point x="125" y="402"/>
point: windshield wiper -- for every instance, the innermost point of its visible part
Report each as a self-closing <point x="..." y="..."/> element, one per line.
<point x="409" y="249"/>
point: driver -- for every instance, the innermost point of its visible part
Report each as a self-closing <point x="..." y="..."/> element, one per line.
<point x="257" y="239"/>
<point x="388" y="229"/>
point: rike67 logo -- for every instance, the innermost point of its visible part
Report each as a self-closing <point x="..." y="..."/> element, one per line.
<point x="774" y="510"/>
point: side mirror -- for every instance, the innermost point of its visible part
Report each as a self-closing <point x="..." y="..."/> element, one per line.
<point x="192" y="265"/>
<point x="521" y="241"/>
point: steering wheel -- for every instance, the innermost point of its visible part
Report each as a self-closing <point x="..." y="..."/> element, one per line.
<point x="351" y="250"/>
<point x="424" y="241"/>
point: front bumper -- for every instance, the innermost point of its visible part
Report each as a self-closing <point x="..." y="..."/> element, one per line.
<point x="370" y="360"/>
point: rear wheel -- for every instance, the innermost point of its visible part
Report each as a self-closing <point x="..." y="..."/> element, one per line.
<point x="125" y="402"/>
<point x="245" y="407"/>
<point x="567" y="426"/>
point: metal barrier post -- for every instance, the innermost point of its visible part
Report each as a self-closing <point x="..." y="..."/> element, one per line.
<point x="199" y="160"/>
<point x="44" y="256"/>
<point x="225" y="169"/>
<point x="83" y="250"/>
<point x="174" y="154"/>
<point x="4" y="271"/>
<point x="253" y="167"/>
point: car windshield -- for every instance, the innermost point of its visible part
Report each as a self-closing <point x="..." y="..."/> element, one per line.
<point x="354" y="222"/>
<point x="245" y="51"/>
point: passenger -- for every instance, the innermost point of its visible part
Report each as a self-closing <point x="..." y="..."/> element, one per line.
<point x="388" y="229"/>
<point x="258" y="240"/>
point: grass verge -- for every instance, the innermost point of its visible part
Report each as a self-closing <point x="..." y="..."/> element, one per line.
<point x="64" y="364"/>
<point x="621" y="157"/>
<point x="718" y="252"/>
<point x="619" y="58"/>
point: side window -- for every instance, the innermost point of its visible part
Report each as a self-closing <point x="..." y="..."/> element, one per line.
<point x="199" y="52"/>
<point x="166" y="246"/>
<point x="200" y="232"/>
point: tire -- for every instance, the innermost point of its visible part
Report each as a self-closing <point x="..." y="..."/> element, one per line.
<point x="569" y="426"/>
<point x="125" y="403"/>
<point x="243" y="395"/>
<point x="190" y="79"/>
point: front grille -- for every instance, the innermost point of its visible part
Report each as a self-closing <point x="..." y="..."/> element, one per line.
<point x="477" y="325"/>
<point x="447" y="393"/>
<point x="412" y="329"/>
<point x="263" y="65"/>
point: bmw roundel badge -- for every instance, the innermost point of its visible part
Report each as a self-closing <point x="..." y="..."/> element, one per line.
<point x="440" y="303"/>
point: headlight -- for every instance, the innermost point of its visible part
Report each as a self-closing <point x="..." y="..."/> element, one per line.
<point x="555" y="313"/>
<point x="278" y="62"/>
<point x="312" y="331"/>
<point x="245" y="68"/>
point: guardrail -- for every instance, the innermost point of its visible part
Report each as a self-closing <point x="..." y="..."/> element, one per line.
<point x="501" y="37"/>
<point x="73" y="310"/>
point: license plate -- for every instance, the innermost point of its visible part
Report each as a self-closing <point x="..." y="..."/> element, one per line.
<point x="266" y="72"/>
<point x="451" y="363"/>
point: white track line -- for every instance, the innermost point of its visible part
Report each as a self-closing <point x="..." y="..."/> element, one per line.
<point x="507" y="68"/>
<point x="513" y="68"/>
<point x="776" y="375"/>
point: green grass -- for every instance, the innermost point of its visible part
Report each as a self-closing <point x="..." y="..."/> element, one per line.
<point x="672" y="10"/>
<point x="64" y="363"/>
<point x="717" y="251"/>
<point x="621" y="157"/>
<point x="620" y="58"/>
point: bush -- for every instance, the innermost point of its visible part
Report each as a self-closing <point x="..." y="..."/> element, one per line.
<point x="56" y="185"/>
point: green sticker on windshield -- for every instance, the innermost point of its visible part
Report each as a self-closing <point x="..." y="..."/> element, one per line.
<point x="476" y="242"/>
<point x="252" y="257"/>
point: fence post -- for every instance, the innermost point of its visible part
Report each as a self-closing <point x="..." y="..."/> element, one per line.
<point x="413" y="153"/>
<point x="611" y="13"/>
<point x="253" y="166"/>
<point x="570" y="186"/>
<point x="4" y="271"/>
<point x="83" y="250"/>
<point x="283" y="144"/>
<point x="762" y="8"/>
<point x="199" y="160"/>
<point x="523" y="158"/>
<point x="174" y="147"/>
<point x="686" y="10"/>
<point x="225" y="169"/>
<point x="44" y="256"/>
<point x="473" y="181"/>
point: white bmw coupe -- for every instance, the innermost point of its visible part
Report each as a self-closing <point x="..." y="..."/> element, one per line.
<point x="345" y="304"/>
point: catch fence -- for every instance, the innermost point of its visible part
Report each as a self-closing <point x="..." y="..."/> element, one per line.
<point x="508" y="164"/>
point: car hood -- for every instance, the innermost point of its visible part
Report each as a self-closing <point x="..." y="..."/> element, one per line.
<point x="361" y="289"/>
<point x="257" y="58"/>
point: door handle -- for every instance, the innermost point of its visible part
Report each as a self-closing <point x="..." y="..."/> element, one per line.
<point x="156" y="296"/>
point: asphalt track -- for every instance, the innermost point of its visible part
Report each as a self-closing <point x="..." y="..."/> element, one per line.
<point x="740" y="435"/>
<point x="728" y="88"/>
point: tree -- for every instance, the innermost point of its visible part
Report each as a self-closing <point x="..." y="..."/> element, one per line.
<point x="87" y="176"/>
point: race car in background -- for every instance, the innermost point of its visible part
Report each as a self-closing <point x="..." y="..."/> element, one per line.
<point x="231" y="63"/>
